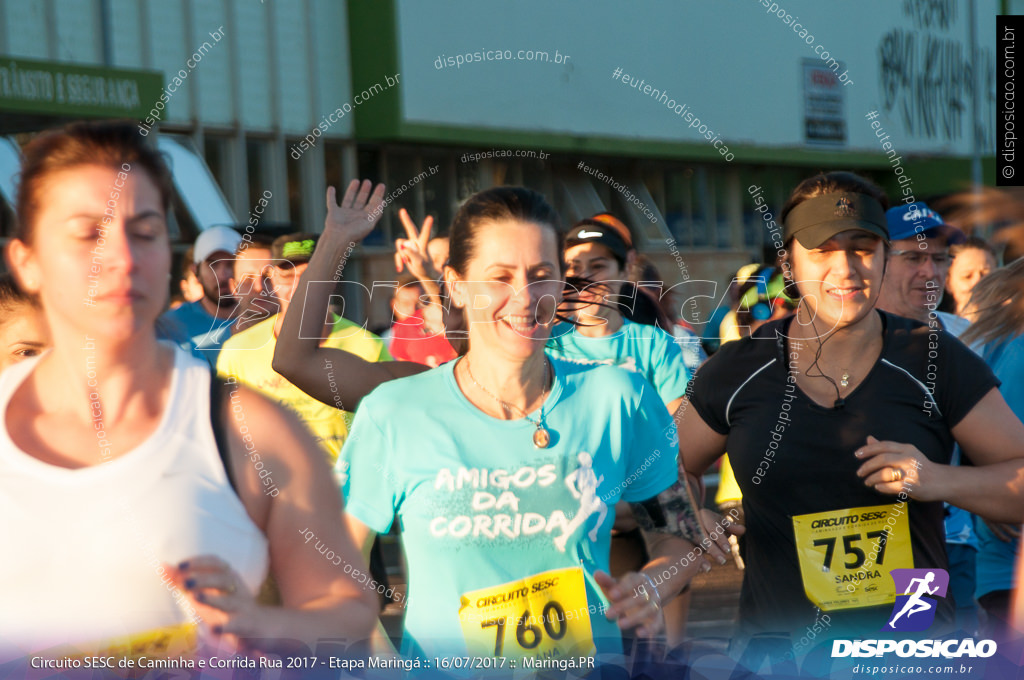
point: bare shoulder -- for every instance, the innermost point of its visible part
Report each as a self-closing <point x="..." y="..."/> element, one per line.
<point x="272" y="455"/>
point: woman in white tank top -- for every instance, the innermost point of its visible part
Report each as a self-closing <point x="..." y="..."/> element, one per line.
<point x="120" y="521"/>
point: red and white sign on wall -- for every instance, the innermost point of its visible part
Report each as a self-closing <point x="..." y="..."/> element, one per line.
<point x="824" y="115"/>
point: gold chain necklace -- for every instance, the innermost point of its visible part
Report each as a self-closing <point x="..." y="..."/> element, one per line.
<point x="541" y="436"/>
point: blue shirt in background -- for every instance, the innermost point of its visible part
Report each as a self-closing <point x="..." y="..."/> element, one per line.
<point x="996" y="558"/>
<point x="959" y="522"/>
<point x="196" y="330"/>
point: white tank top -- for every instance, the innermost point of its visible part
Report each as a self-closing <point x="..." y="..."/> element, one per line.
<point x="81" y="551"/>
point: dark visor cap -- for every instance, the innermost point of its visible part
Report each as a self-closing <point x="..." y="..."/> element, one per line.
<point x="818" y="219"/>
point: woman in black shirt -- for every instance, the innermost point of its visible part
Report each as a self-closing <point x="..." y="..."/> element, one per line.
<point x="840" y="422"/>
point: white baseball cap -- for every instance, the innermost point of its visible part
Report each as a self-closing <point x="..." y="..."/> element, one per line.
<point x="213" y="240"/>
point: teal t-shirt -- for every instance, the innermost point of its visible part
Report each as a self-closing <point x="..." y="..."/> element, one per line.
<point x="479" y="506"/>
<point x="637" y="347"/>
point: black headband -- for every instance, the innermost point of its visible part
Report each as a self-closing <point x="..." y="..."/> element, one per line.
<point x="593" y="231"/>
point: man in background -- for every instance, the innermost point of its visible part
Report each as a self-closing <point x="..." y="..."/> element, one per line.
<point x="203" y="326"/>
<point x="915" y="278"/>
<point x="251" y="283"/>
<point x="248" y="355"/>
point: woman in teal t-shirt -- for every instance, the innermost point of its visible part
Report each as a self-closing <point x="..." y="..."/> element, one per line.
<point x="504" y="467"/>
<point x="597" y="254"/>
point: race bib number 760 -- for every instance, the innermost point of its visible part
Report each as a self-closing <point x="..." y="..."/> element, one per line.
<point x="544" y="615"/>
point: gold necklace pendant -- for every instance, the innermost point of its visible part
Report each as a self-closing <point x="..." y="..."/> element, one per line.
<point x="541" y="436"/>
<point x="845" y="381"/>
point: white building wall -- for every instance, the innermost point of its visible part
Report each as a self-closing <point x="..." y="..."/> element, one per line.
<point x="166" y="42"/>
<point x="77" y="31"/>
<point x="735" y="66"/>
<point x="281" y="67"/>
<point x="333" y="78"/>
<point x="293" y="72"/>
<point x="25" y="30"/>
<point x="212" y="74"/>
<point x="253" y="57"/>
<point x="127" y="49"/>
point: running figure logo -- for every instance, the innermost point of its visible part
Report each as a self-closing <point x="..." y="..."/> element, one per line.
<point x="914" y="611"/>
<point x="583" y="483"/>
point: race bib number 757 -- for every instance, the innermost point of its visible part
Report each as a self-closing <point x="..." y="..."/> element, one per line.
<point x="846" y="555"/>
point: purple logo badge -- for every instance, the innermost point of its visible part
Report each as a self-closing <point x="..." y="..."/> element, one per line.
<point x="914" y="610"/>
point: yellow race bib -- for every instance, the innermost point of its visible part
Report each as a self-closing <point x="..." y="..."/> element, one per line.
<point x="171" y="641"/>
<point x="545" y="615"/>
<point x="167" y="642"/>
<point x="846" y="555"/>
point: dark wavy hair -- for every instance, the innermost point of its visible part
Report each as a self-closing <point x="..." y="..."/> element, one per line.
<point x="13" y="299"/>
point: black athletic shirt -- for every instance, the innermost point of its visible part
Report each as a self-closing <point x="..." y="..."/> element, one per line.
<point x="741" y="392"/>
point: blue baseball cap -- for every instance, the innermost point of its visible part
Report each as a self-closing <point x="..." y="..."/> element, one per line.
<point x="906" y="221"/>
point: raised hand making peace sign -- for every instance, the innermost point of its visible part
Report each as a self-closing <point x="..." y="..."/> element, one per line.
<point x="412" y="252"/>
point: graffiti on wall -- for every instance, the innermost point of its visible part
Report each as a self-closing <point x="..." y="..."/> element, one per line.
<point x="928" y="76"/>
